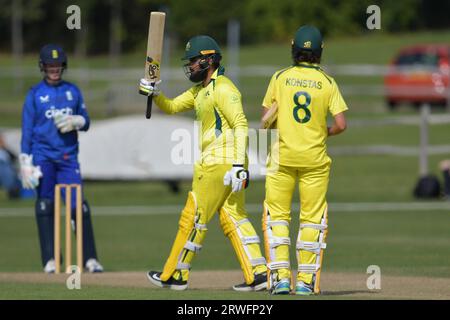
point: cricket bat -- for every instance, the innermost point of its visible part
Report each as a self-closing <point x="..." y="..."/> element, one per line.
<point x="269" y="119"/>
<point x="154" y="52"/>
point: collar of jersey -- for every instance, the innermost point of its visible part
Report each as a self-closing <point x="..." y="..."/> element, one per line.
<point x="53" y="86"/>
<point x="218" y="72"/>
<point x="308" y="65"/>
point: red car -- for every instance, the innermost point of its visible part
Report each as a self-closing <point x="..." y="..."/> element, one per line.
<point x="419" y="74"/>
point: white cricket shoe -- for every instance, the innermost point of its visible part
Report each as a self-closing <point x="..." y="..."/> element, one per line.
<point x="92" y="265"/>
<point x="50" y="266"/>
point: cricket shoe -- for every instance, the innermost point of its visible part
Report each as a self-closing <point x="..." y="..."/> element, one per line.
<point x="93" y="266"/>
<point x="258" y="284"/>
<point x="281" y="287"/>
<point x="304" y="289"/>
<point x="172" y="283"/>
<point x="50" y="266"/>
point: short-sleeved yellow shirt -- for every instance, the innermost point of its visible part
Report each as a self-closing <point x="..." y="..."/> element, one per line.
<point x="304" y="94"/>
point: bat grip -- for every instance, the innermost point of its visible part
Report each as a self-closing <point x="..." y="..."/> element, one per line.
<point x="148" y="113"/>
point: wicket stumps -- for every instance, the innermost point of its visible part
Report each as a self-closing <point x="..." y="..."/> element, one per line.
<point x="79" y="226"/>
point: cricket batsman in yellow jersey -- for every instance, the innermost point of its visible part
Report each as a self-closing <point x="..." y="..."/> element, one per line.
<point x="220" y="176"/>
<point x="304" y="94"/>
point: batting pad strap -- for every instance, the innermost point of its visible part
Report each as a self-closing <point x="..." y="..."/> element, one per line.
<point x="308" y="268"/>
<point x="183" y="266"/>
<point x="191" y="246"/>
<point x="278" y="265"/>
<point x="272" y="223"/>
<point x="258" y="261"/>
<point x="277" y="241"/>
<point x="250" y="240"/>
<point x="200" y="226"/>
<point x="311" y="246"/>
<point x="315" y="226"/>
<point x="241" y="222"/>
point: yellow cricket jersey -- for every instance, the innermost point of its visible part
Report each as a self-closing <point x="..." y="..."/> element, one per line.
<point x="305" y="95"/>
<point x="218" y="108"/>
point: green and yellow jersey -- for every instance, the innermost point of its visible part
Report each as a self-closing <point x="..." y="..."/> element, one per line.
<point x="218" y="108"/>
<point x="304" y="94"/>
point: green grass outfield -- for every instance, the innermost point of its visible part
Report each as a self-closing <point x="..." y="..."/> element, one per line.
<point x="405" y="240"/>
<point x="407" y="243"/>
<point x="404" y="243"/>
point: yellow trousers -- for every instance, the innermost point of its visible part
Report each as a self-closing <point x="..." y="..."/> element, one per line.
<point x="280" y="185"/>
<point x="209" y="196"/>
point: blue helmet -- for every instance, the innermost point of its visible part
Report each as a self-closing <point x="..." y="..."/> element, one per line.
<point x="52" y="53"/>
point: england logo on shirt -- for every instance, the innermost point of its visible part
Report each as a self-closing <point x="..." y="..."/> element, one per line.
<point x="69" y="95"/>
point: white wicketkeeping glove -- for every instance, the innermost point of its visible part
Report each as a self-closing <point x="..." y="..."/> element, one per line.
<point x="148" y="88"/>
<point x="29" y="174"/>
<point x="66" y="123"/>
<point x="238" y="177"/>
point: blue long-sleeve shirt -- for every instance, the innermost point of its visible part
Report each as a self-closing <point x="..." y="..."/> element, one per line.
<point x="40" y="136"/>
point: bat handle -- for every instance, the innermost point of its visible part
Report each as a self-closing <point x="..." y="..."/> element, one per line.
<point x="148" y="113"/>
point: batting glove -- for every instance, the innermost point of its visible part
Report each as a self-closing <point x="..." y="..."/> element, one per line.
<point x="29" y="174"/>
<point x="66" y="123"/>
<point x="148" y="88"/>
<point x="238" y="177"/>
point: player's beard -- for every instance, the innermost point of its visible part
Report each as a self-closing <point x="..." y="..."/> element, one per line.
<point x="196" y="75"/>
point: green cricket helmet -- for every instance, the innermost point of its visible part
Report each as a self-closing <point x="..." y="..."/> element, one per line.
<point x="308" y="38"/>
<point x="207" y="50"/>
<point x="201" y="46"/>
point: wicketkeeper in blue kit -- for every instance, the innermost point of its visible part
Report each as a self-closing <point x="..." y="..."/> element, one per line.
<point x="53" y="113"/>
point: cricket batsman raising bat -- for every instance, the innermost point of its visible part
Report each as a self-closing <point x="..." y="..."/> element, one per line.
<point x="153" y="59"/>
<point x="220" y="175"/>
